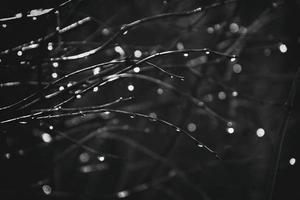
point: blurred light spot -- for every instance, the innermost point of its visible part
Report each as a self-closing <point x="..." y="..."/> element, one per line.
<point x="160" y="91"/>
<point x="153" y="115"/>
<point x="229" y="124"/>
<point x="243" y="30"/>
<point x="120" y="50"/>
<point x="19" y="53"/>
<point x="210" y="30"/>
<point x="260" y="132"/>
<point x="61" y="88"/>
<point x="51" y="127"/>
<point x="217" y="26"/>
<point x="69" y="84"/>
<point x="222" y="95"/>
<point x="34" y="18"/>
<point x="292" y="161"/>
<point x="21" y="152"/>
<point x="267" y="52"/>
<point x="50" y="46"/>
<point x="230" y="130"/>
<point x="96" y="70"/>
<point x="136" y="69"/>
<point x="123" y="194"/>
<point x="232" y="59"/>
<point x="191" y="127"/>
<point x="283" y="48"/>
<point x="179" y="46"/>
<point x="4" y="25"/>
<point x="130" y="87"/>
<point x="84" y="157"/>
<point x="237" y="68"/>
<point x="78" y="96"/>
<point x="54" y="75"/>
<point x="101" y="158"/>
<point x="47" y="189"/>
<point x="235" y="93"/>
<point x="203" y="59"/>
<point x="185" y="54"/>
<point x="7" y="155"/>
<point x="46" y="137"/>
<point x="125" y="32"/>
<point x="234" y="28"/>
<point x="55" y="64"/>
<point x="95" y="89"/>
<point x="105" y="31"/>
<point x="137" y="53"/>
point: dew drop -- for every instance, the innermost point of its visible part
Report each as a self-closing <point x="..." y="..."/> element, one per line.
<point x="132" y="116"/>
<point x="101" y="158"/>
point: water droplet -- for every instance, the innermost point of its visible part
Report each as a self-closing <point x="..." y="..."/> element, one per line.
<point x="234" y="28"/>
<point x="54" y="75"/>
<point x="237" y="68"/>
<point x="136" y="69"/>
<point x="96" y="70"/>
<point x="123" y="194"/>
<point x="55" y="64"/>
<point x="200" y="145"/>
<point x="132" y="116"/>
<point x="200" y="103"/>
<point x="47" y="138"/>
<point x="21" y="152"/>
<point x="222" y="95"/>
<point x="7" y="155"/>
<point x="47" y="189"/>
<point x="283" y="48"/>
<point x="210" y="30"/>
<point x="130" y="88"/>
<point x="292" y="161"/>
<point x="84" y="157"/>
<point x="178" y="129"/>
<point x="179" y="46"/>
<point x="191" y="127"/>
<point x="260" y="132"/>
<point x="101" y="158"/>
<point x="138" y="53"/>
<point x="230" y="130"/>
<point x="234" y="93"/>
<point x="95" y="89"/>
<point x="160" y="91"/>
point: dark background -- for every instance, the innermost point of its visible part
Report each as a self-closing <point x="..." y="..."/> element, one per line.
<point x="248" y="161"/>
